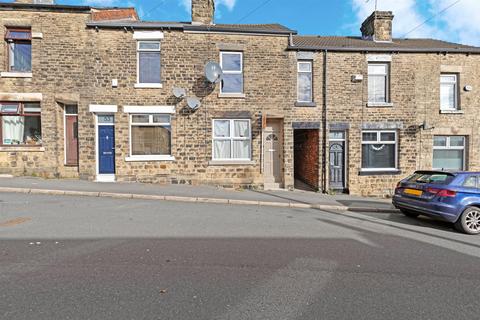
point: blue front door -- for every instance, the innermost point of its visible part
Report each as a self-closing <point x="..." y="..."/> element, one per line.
<point x="106" y="149"/>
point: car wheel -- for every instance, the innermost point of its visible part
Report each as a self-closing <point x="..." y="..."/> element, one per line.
<point x="410" y="214"/>
<point x="469" y="221"/>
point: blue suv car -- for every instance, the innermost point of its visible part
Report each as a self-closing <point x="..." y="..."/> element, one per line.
<point x="450" y="196"/>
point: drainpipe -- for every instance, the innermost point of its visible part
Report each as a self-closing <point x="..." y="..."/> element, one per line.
<point x="325" y="122"/>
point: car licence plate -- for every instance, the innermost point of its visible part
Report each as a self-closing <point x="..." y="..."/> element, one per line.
<point x="414" y="192"/>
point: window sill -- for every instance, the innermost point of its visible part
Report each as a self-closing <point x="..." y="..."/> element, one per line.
<point x="149" y="158"/>
<point x="305" y="104"/>
<point x="232" y="95"/>
<point x="379" y="172"/>
<point x="452" y="112"/>
<point x="22" y="149"/>
<point x="379" y="105"/>
<point x="16" y="75"/>
<point x="148" y="85"/>
<point x="231" y="163"/>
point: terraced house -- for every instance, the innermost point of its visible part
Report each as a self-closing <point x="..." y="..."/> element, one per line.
<point x="88" y="92"/>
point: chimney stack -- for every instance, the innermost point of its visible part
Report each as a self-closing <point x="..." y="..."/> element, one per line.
<point x="203" y="11"/>
<point x="378" y="26"/>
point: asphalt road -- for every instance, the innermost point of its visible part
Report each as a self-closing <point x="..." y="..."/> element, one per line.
<point x="86" y="258"/>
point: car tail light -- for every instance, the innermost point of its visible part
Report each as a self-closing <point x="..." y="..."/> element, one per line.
<point x="446" y="193"/>
<point x="433" y="190"/>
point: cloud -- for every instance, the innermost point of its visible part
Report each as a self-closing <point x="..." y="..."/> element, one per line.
<point x="459" y="21"/>
<point x="230" y="4"/>
<point x="457" y="24"/>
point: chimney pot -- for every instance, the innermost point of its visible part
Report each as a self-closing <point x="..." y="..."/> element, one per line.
<point x="378" y="26"/>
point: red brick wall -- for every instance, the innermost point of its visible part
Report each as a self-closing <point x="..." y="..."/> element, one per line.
<point x="307" y="156"/>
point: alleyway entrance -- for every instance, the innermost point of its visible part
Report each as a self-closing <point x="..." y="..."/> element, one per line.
<point x="306" y="157"/>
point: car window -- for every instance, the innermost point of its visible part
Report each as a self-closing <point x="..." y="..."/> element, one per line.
<point x="470" y="182"/>
<point x="432" y="178"/>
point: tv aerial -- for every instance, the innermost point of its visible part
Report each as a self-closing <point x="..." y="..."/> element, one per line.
<point x="213" y="72"/>
<point x="193" y="103"/>
<point x="179" y="93"/>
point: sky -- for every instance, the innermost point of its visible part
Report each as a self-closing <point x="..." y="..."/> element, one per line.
<point x="451" y="20"/>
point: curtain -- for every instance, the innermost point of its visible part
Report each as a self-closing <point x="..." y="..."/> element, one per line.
<point x="149" y="67"/>
<point x="378" y="156"/>
<point x="377" y="88"/>
<point x="447" y="96"/>
<point x="151" y="140"/>
<point x="22" y="56"/>
<point x="221" y="128"/>
<point x="241" y="129"/>
<point x="448" y="159"/>
<point x="222" y="149"/>
<point x="241" y="149"/>
<point x="13" y="129"/>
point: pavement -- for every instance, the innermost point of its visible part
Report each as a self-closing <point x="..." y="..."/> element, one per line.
<point x="105" y="258"/>
<point x="198" y="194"/>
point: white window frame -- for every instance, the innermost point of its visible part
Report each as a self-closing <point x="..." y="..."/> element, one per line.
<point x="149" y="124"/>
<point x="387" y="81"/>
<point x="232" y="138"/>
<point x="455" y="91"/>
<point x="449" y="147"/>
<point x="145" y="84"/>
<point x="233" y="72"/>
<point x="310" y="63"/>
<point x="378" y="141"/>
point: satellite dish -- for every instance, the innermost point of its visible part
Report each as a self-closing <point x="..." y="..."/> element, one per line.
<point x="193" y="103"/>
<point x="179" y="92"/>
<point x="213" y="72"/>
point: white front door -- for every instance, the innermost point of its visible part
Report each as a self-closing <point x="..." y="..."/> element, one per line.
<point x="273" y="155"/>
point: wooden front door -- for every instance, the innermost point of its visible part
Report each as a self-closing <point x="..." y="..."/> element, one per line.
<point x="71" y="137"/>
<point x="273" y="154"/>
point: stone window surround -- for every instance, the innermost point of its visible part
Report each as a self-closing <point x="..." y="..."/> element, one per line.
<point x="456" y="97"/>
<point x="310" y="103"/>
<point x="448" y="146"/>
<point x="146" y="36"/>
<point x="146" y="110"/>
<point x="19" y="23"/>
<point x="240" y="95"/>
<point x="381" y="59"/>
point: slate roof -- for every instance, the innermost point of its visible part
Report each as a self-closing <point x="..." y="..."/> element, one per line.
<point x="187" y="26"/>
<point x="397" y="45"/>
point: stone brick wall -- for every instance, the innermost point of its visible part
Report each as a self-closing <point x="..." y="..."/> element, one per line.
<point x="57" y="70"/>
<point x="184" y="56"/>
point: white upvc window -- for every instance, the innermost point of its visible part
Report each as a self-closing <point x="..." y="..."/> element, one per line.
<point x="379" y="150"/>
<point x="449" y="92"/>
<point x="148" y="63"/>
<point x="232" y="139"/>
<point x="449" y="152"/>
<point x="378" y="83"/>
<point x="304" y="81"/>
<point x="232" y="66"/>
<point x="150" y="136"/>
